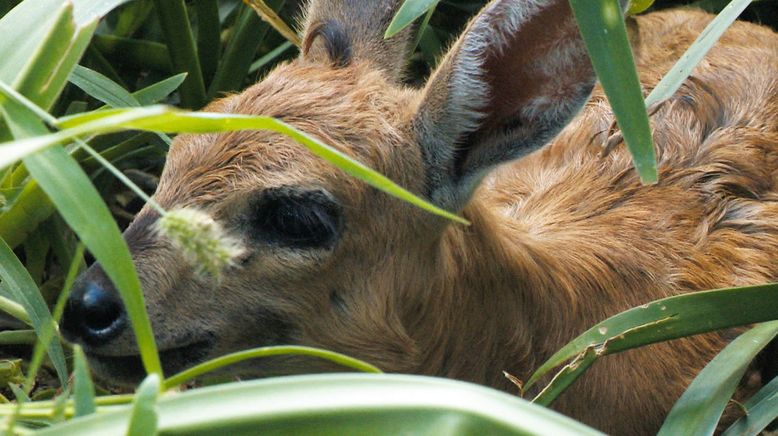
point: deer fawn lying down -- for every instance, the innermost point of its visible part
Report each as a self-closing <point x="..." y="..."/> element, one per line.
<point x="560" y="239"/>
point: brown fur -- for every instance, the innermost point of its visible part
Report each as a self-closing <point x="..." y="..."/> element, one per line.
<point x="559" y="240"/>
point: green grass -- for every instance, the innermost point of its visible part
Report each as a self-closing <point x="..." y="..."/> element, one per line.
<point x="80" y="85"/>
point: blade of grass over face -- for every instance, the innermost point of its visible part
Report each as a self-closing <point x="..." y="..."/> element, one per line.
<point x="603" y="30"/>
<point x="408" y="13"/>
<point x="683" y="68"/>
<point x="79" y="203"/>
<point x="83" y="389"/>
<point x="45" y="338"/>
<point x="104" y="89"/>
<point x="144" y="419"/>
<point x="24" y="291"/>
<point x="661" y="320"/>
<point x="159" y="118"/>
<point x="241" y="356"/>
<point x="762" y="410"/>
<point x="699" y="409"/>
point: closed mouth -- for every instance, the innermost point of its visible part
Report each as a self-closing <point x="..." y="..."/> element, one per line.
<point x="129" y="369"/>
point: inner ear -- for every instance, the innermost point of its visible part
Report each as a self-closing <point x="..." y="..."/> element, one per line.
<point x="334" y="40"/>
<point x="516" y="76"/>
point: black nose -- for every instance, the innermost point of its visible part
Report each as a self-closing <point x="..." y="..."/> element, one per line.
<point x="93" y="314"/>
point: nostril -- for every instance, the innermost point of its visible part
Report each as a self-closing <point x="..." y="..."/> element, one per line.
<point x="100" y="309"/>
<point x="93" y="315"/>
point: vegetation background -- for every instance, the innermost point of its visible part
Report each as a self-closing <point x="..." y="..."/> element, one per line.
<point x="134" y="59"/>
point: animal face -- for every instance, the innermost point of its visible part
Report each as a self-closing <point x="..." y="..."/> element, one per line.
<point x="329" y="261"/>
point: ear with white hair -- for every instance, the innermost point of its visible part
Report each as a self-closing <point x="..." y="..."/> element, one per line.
<point x="513" y="80"/>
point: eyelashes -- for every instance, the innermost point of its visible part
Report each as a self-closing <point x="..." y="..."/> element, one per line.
<point x="296" y="219"/>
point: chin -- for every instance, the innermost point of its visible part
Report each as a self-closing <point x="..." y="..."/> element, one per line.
<point x="128" y="371"/>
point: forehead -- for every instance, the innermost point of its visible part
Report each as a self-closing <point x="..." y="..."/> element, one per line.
<point x="352" y="109"/>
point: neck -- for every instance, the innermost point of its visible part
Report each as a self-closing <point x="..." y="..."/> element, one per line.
<point x="475" y="319"/>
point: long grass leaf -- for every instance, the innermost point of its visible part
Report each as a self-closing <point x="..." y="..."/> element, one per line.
<point x="83" y="388"/>
<point x="761" y="410"/>
<point x="102" y="88"/>
<point x="183" y="51"/>
<point x="25" y="292"/>
<point x="20" y="218"/>
<point x="157" y="92"/>
<point x="699" y="409"/>
<point x="271" y="17"/>
<point x="603" y="30"/>
<point x="247" y="34"/>
<point x="407" y="14"/>
<point x="683" y="68"/>
<point x="79" y="203"/>
<point x="45" y="338"/>
<point x="665" y="319"/>
<point x="340" y="404"/>
<point x="14" y="309"/>
<point x="144" y="419"/>
<point x="241" y="356"/>
<point x="159" y="118"/>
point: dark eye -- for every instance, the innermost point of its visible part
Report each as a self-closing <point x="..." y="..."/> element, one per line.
<point x="299" y="219"/>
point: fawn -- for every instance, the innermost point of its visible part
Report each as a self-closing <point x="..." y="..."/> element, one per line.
<point x="560" y="239"/>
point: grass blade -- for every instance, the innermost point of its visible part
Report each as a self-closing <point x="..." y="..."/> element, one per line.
<point x="270" y="57"/>
<point x="144" y="419"/>
<point x="157" y="92"/>
<point x="699" y="409"/>
<point x="45" y="338"/>
<point x="79" y="203"/>
<point x="24" y="291"/>
<point x="17" y="337"/>
<point x="14" y="309"/>
<point x="661" y="320"/>
<point x="408" y="13"/>
<point x="762" y="410"/>
<point x="694" y="54"/>
<point x="248" y="34"/>
<point x="183" y="52"/>
<point x="208" y="36"/>
<point x="241" y="356"/>
<point x="270" y="16"/>
<point x="19" y="220"/>
<point x="605" y="35"/>
<point x="83" y="389"/>
<point x="341" y="404"/>
<point x="160" y="118"/>
<point x="102" y="88"/>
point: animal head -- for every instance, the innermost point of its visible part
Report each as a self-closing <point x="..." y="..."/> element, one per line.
<point x="329" y="261"/>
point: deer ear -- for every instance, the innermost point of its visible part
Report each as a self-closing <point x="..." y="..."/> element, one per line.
<point x="515" y="77"/>
<point x="341" y="31"/>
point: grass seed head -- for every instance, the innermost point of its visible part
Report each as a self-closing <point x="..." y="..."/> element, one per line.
<point x="201" y="240"/>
